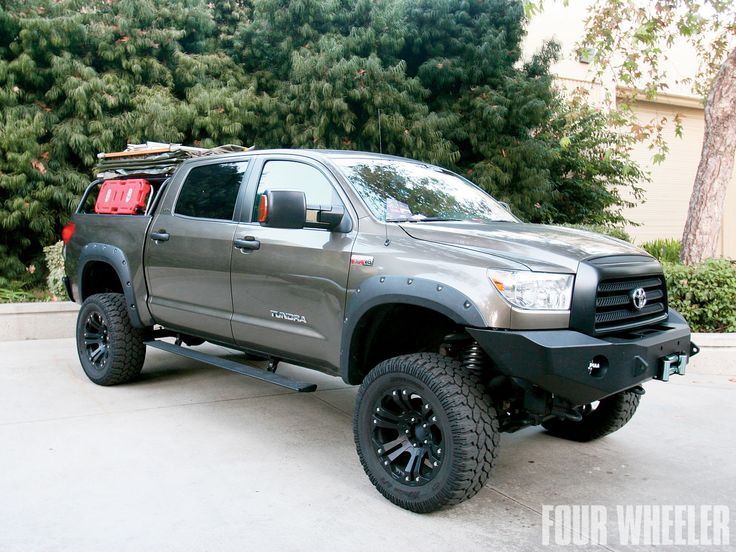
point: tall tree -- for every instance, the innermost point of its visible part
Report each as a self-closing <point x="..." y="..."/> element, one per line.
<point x="82" y="76"/>
<point x="715" y="170"/>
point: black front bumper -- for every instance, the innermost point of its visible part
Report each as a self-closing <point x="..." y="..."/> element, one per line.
<point x="581" y="368"/>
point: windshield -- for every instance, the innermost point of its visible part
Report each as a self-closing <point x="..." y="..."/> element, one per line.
<point x="400" y="191"/>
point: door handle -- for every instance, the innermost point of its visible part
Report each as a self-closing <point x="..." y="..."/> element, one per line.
<point x="248" y="242"/>
<point x="161" y="235"/>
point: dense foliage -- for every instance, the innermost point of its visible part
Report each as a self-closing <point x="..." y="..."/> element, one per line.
<point x="437" y="80"/>
<point x="591" y="173"/>
<point x="705" y="294"/>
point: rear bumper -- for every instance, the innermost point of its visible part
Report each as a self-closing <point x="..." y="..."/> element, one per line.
<point x="582" y="368"/>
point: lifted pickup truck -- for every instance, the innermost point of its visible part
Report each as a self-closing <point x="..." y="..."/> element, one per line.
<point x="457" y="320"/>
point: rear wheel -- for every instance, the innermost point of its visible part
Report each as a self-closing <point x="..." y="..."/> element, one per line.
<point x="609" y="415"/>
<point x="110" y="349"/>
<point x="425" y="431"/>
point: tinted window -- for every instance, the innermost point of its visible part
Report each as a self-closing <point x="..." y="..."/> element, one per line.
<point x="210" y="191"/>
<point x="289" y="175"/>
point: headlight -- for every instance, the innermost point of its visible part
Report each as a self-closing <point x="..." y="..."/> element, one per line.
<point x="534" y="290"/>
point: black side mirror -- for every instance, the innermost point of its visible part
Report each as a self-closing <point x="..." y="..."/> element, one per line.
<point x="331" y="218"/>
<point x="283" y="209"/>
<point x="505" y="205"/>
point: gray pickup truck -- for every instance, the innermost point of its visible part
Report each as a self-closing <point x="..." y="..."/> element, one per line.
<point x="457" y="320"/>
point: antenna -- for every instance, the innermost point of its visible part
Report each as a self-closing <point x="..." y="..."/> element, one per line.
<point x="380" y="142"/>
<point x="380" y="150"/>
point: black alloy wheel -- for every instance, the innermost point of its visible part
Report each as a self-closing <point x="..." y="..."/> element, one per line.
<point x="425" y="431"/>
<point x="96" y="340"/>
<point x="407" y="436"/>
<point x="110" y="348"/>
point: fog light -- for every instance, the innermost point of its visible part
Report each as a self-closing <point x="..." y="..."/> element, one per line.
<point x="598" y="366"/>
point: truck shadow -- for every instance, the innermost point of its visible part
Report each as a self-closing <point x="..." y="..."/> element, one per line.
<point x="523" y="457"/>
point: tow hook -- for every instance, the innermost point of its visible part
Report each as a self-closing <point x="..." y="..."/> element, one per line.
<point x="672" y="364"/>
<point x="675" y="363"/>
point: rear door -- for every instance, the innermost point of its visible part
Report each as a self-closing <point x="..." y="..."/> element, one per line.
<point x="189" y="249"/>
<point x="289" y="295"/>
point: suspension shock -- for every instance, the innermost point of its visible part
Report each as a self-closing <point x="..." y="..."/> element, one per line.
<point x="474" y="359"/>
<point x="462" y="347"/>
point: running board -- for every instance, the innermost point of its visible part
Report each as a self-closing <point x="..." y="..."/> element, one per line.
<point x="233" y="366"/>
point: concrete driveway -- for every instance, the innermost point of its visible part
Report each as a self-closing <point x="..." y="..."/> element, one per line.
<point x="196" y="458"/>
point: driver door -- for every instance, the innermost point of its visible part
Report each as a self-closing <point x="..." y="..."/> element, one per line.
<point x="289" y="294"/>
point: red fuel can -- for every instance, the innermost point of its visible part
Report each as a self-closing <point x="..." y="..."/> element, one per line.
<point x="122" y="197"/>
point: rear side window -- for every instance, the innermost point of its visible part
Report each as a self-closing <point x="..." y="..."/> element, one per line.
<point x="210" y="191"/>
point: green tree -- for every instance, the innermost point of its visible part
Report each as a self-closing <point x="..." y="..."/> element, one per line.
<point x="80" y="77"/>
<point x="469" y="57"/>
<point x="591" y="171"/>
<point x="437" y="80"/>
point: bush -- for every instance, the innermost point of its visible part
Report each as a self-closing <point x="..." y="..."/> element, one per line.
<point x="611" y="231"/>
<point x="55" y="264"/>
<point x="665" y="250"/>
<point x="704" y="294"/>
<point x="13" y="295"/>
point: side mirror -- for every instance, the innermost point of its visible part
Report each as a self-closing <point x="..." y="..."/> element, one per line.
<point x="283" y="209"/>
<point x="505" y="205"/>
<point x="332" y="218"/>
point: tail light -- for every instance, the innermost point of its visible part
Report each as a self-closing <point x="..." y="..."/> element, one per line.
<point x="68" y="232"/>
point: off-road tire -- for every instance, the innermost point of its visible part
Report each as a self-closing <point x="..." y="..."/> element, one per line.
<point x="121" y="347"/>
<point x="611" y="414"/>
<point x="465" y="419"/>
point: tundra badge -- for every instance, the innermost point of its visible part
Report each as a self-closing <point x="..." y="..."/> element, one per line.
<point x="289" y="316"/>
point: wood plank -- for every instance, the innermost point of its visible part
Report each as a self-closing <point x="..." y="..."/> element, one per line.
<point x="135" y="153"/>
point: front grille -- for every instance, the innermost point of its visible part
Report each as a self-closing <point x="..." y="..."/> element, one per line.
<point x="614" y="306"/>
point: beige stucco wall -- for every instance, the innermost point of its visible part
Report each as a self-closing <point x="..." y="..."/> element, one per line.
<point x="728" y="228"/>
<point x="667" y="196"/>
<point x="663" y="213"/>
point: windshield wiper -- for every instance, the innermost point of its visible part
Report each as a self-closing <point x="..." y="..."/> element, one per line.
<point x="425" y="219"/>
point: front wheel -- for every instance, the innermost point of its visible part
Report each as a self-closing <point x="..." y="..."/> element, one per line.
<point x="425" y="431"/>
<point x="110" y="349"/>
<point x="605" y="417"/>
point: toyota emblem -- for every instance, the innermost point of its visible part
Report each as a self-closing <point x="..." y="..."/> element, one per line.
<point x="639" y="298"/>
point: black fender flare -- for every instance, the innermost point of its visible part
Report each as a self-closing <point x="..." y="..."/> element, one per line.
<point x="116" y="258"/>
<point x="385" y="290"/>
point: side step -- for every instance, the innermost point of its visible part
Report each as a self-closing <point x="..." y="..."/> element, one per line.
<point x="246" y="370"/>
